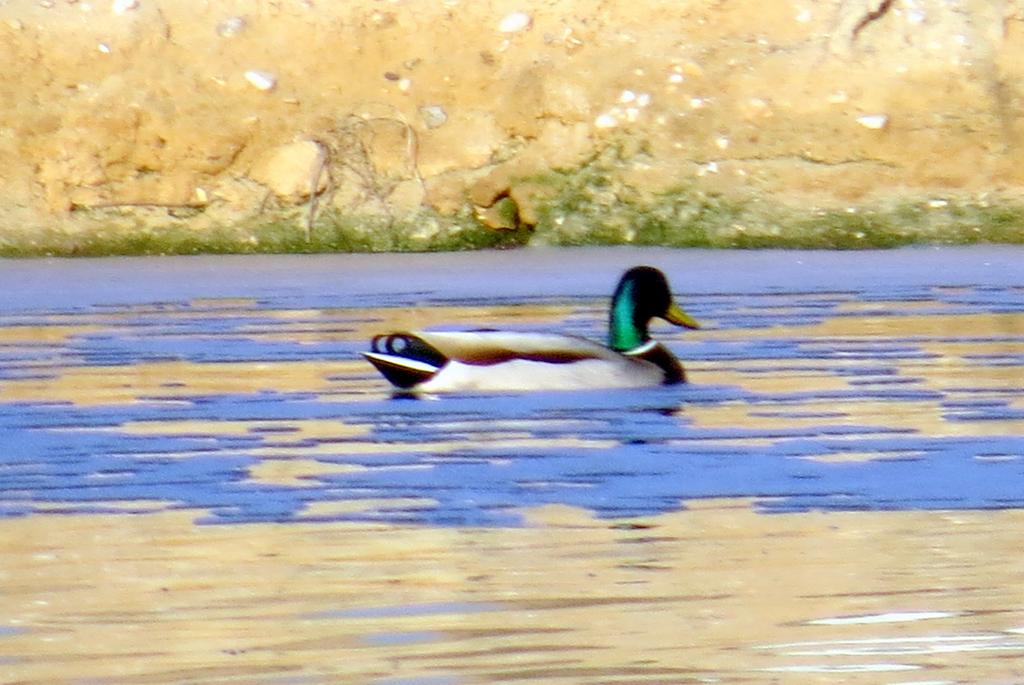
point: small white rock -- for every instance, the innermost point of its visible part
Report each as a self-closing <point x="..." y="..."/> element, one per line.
<point x="837" y="98"/>
<point x="433" y="116"/>
<point x="873" y="121"/>
<point x="709" y="168"/>
<point x="606" y="120"/>
<point x="697" y="103"/>
<point x="404" y="85"/>
<point x="722" y="142"/>
<point x="675" y="78"/>
<point x="515" y="22"/>
<point x="626" y="97"/>
<point x="231" y="27"/>
<point x="104" y="48"/>
<point x="804" y="16"/>
<point x="122" y="6"/>
<point x="643" y="99"/>
<point x="261" y="80"/>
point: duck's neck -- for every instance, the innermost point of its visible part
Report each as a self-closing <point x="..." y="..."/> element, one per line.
<point x="627" y="330"/>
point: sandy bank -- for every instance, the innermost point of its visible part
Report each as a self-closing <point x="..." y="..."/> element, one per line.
<point x="153" y="125"/>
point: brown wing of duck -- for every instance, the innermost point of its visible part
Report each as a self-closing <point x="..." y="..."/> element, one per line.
<point x="485" y="349"/>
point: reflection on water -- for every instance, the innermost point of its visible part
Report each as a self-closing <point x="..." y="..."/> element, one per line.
<point x="717" y="593"/>
<point x="836" y="497"/>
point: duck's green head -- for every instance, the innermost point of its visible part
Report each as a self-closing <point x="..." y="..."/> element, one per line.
<point x="642" y="294"/>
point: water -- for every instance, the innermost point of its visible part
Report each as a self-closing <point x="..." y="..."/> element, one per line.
<point x="200" y="481"/>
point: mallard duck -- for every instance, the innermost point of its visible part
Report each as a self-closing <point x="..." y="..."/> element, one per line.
<point x="494" y="360"/>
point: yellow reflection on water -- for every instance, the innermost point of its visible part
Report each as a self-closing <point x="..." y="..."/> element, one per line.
<point x="764" y="375"/>
<point x="125" y="384"/>
<point x="20" y="335"/>
<point x="909" y="325"/>
<point x="718" y="592"/>
<point x="942" y="365"/>
<point x="898" y="325"/>
<point x="296" y="472"/>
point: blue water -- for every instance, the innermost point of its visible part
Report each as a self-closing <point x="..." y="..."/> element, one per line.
<point x="483" y="460"/>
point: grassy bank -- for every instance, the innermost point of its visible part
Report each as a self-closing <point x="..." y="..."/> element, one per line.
<point x="686" y="218"/>
<point x="587" y="206"/>
<point x="276" y="233"/>
<point x="591" y="205"/>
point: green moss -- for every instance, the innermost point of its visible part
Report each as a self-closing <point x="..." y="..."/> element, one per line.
<point x="843" y="230"/>
<point x="507" y="213"/>
<point x="589" y="207"/>
<point x="280" y="233"/>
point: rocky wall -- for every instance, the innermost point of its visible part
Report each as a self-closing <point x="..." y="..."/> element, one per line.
<point x="505" y="116"/>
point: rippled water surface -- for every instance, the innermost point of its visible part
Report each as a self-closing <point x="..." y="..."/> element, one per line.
<point x="201" y="481"/>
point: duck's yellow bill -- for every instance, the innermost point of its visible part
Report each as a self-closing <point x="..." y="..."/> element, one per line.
<point x="679" y="317"/>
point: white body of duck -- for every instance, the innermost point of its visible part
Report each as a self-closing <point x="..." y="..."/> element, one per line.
<point x="512" y="361"/>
